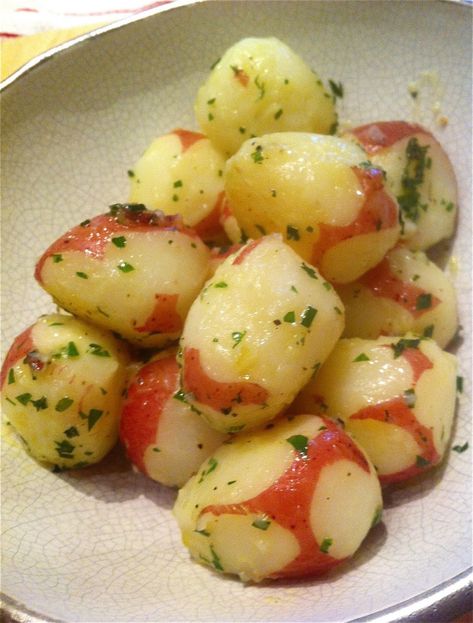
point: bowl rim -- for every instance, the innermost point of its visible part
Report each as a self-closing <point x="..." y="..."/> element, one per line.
<point x="444" y="602"/>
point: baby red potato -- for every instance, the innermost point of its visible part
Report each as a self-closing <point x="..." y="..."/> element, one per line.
<point x="62" y="384"/>
<point x="419" y="173"/>
<point x="406" y="292"/>
<point x="395" y="396"/>
<point x="293" y="500"/>
<point x="320" y="194"/>
<point x="132" y="270"/>
<point x="163" y="437"/>
<point x="253" y="337"/>
<point x="259" y="86"/>
<point x="182" y="172"/>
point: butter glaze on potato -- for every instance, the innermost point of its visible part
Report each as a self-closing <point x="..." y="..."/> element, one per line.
<point x="133" y="271"/>
<point x="395" y="396"/>
<point x="255" y="334"/>
<point x="293" y="500"/>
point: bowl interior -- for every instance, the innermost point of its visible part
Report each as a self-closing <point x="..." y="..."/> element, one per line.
<point x="101" y="545"/>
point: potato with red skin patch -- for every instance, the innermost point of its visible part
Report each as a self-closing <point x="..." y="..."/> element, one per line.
<point x="317" y="192"/>
<point x="260" y="85"/>
<point x="419" y="174"/>
<point x="62" y="384"/>
<point x="254" y="334"/>
<point x="182" y="172"/>
<point x="395" y="396"/>
<point x="162" y="436"/>
<point x="293" y="500"/>
<point x="132" y="270"/>
<point x="406" y="292"/>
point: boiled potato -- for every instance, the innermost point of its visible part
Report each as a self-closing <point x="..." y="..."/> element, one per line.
<point x="182" y="172"/>
<point x="316" y="191"/>
<point x="259" y="86"/>
<point x="255" y="334"/>
<point x="419" y="173"/>
<point x="405" y="292"/>
<point x="395" y="396"/>
<point x="132" y="270"/>
<point x="62" y="384"/>
<point x="290" y="501"/>
<point x="163" y="437"/>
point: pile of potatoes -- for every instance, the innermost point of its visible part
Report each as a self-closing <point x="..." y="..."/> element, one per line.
<point x="260" y="324"/>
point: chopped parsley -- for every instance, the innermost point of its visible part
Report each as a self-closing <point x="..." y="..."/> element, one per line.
<point x="65" y="449"/>
<point x="71" y="432"/>
<point x="11" y="376"/>
<point x="410" y="397"/>
<point x="421" y="461"/>
<point x="459" y="384"/>
<point x="309" y="270"/>
<point x="261" y="87"/>
<point x="221" y="284"/>
<point x="257" y="155"/>
<point x="177" y="184"/>
<point x="261" y="523"/>
<point x="412" y="178"/>
<point x="98" y="350"/>
<point x="63" y="404"/>
<point x="423" y="301"/>
<point x="290" y="317"/>
<point x="336" y="88"/>
<point x="292" y="233"/>
<point x="428" y="331"/>
<point x="237" y="337"/>
<point x="24" y="398"/>
<point x="362" y="357"/>
<point x="308" y="316"/>
<point x="211" y="466"/>
<point x="462" y="448"/>
<point x="82" y="275"/>
<point x="299" y="443"/>
<point x="40" y="404"/>
<point x="57" y="257"/>
<point x="278" y="113"/>
<point x="92" y="417"/>
<point x="403" y="344"/>
<point x="119" y="241"/>
<point x="125" y="267"/>
<point x="326" y="545"/>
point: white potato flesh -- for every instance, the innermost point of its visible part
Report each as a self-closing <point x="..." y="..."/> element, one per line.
<point x="395" y="396"/>
<point x="292" y="500"/>
<point x="317" y="192"/>
<point x="133" y="271"/>
<point x="182" y="172"/>
<point x="163" y="437"/>
<point x="254" y="335"/>
<point x="259" y="86"/>
<point x="419" y="173"/>
<point x="405" y="293"/>
<point x="62" y="384"/>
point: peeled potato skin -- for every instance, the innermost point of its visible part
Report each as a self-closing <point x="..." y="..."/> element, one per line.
<point x="320" y="194"/>
<point x="293" y="500"/>
<point x="62" y="384"/>
<point x="396" y="396"/>
<point x="254" y="334"/>
<point x="259" y="86"/>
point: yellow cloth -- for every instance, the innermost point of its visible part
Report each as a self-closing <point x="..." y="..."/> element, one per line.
<point x="18" y="51"/>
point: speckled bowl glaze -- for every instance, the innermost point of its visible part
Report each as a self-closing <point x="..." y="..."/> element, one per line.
<point x="101" y="544"/>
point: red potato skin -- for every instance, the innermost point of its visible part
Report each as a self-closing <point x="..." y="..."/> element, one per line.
<point x="288" y="500"/>
<point x="22" y="346"/>
<point x="378" y="212"/>
<point x="150" y="389"/>
<point x="214" y="394"/>
<point x="187" y="137"/>
<point x="164" y="317"/>
<point x="382" y="134"/>
<point x="383" y="283"/>
<point x="210" y="228"/>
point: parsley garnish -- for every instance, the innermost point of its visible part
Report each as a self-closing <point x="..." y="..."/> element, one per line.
<point x="428" y="331"/>
<point x="459" y="384"/>
<point x="362" y="357"/>
<point x="221" y="284"/>
<point x="212" y="464"/>
<point x="216" y="560"/>
<point x="299" y="443"/>
<point x="336" y="88"/>
<point x="410" y="397"/>
<point x="261" y="524"/>
<point x="308" y="316"/>
<point x="278" y="114"/>
<point x="257" y="155"/>
<point x="63" y="404"/>
<point x="177" y="184"/>
<point x="57" y="257"/>
<point x="423" y="301"/>
<point x="82" y="275"/>
<point x="326" y="545"/>
<point x="261" y="87"/>
<point x="401" y="346"/>
<point x="125" y="267"/>
<point x="292" y="233"/>
<point x="40" y="404"/>
<point x="421" y="462"/>
<point x="309" y="270"/>
<point x="237" y="337"/>
<point x="99" y="351"/>
<point x="24" y="398"/>
<point x="290" y="317"/>
<point x="11" y="376"/>
<point x="92" y="417"/>
<point x="71" y="432"/>
<point x="119" y="241"/>
<point x="462" y="448"/>
<point x="65" y="449"/>
<point x="412" y="178"/>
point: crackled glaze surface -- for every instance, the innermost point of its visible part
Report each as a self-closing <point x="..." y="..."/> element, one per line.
<point x="101" y="545"/>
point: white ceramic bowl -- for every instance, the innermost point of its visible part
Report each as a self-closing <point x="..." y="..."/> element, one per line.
<point x="101" y="545"/>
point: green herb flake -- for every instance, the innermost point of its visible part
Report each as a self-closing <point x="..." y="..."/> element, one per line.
<point x="156" y="449"/>
<point x="423" y="301"/>
<point x="261" y="523"/>
<point x="57" y="257"/>
<point x="215" y="63"/>
<point x="278" y="113"/>
<point x="210" y="117"/>
<point x="125" y="267"/>
<point x="119" y="241"/>
<point x="130" y="173"/>
<point x="11" y="376"/>
<point x="65" y="449"/>
<point x="309" y="270"/>
<point x="237" y="337"/>
<point x="377" y="516"/>
<point x="175" y="197"/>
<point x="410" y="398"/>
<point x="93" y="417"/>
<point x="40" y="404"/>
<point x="300" y="444"/>
<point x="71" y="432"/>
<point x="221" y="284"/>
<point x="177" y="184"/>
<point x="211" y="466"/>
<point x="71" y="350"/>
<point x="361" y="357"/>
<point x="261" y="87"/>
<point x="292" y="233"/>
<point x="63" y="404"/>
<point x="308" y="316"/>
<point x="428" y="331"/>
<point x="294" y="289"/>
<point x="12" y="402"/>
<point x="82" y="275"/>
<point x="400" y="346"/>
<point x="257" y="156"/>
<point x="98" y="350"/>
<point x="336" y="88"/>
<point x="421" y="462"/>
<point x="290" y="317"/>
<point x="85" y="223"/>
<point x="338" y="310"/>
<point x="216" y="560"/>
<point x="202" y="532"/>
<point x="231" y="482"/>
<point x="460" y="384"/>
<point x="242" y="130"/>
<point x="326" y="545"/>
<point x="462" y="448"/>
<point x="412" y="178"/>
<point x="211" y="101"/>
<point x="24" y="398"/>
<point x="327" y="286"/>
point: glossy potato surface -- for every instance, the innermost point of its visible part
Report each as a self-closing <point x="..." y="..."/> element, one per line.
<point x="419" y="174"/>
<point x="181" y="172"/>
<point x="395" y="396"/>
<point x="133" y="271"/>
<point x="62" y="384"/>
<point x="259" y="86"/>
<point x="255" y="334"/>
<point x="162" y="436"/>
<point x="319" y="194"/>
<point x="293" y="500"/>
<point x="406" y="292"/>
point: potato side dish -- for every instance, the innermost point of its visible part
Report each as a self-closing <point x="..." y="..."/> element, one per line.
<point x="283" y="269"/>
